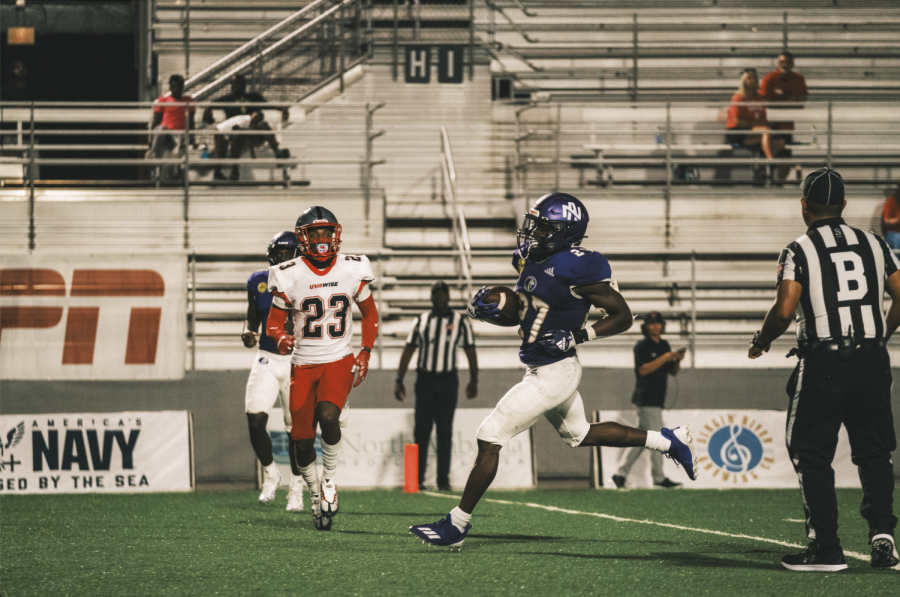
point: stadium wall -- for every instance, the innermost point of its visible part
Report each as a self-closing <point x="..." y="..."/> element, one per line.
<point x="222" y="448"/>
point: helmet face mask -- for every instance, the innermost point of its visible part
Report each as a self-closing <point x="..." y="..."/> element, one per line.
<point x="284" y="246"/>
<point x="319" y="234"/>
<point x="539" y="238"/>
<point x="318" y="246"/>
<point x="556" y="222"/>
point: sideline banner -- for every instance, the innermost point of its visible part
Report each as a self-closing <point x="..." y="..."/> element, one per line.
<point x="128" y="452"/>
<point x="736" y="449"/>
<point x="372" y="449"/>
<point x="92" y="316"/>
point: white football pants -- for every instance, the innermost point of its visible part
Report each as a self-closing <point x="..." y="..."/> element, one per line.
<point x="270" y="382"/>
<point x="550" y="391"/>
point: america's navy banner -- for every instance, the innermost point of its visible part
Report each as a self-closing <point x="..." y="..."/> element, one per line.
<point x="736" y="449"/>
<point x="372" y="449"/>
<point x="127" y="452"/>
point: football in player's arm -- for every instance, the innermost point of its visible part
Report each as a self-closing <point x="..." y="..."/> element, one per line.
<point x="558" y="284"/>
<point x="317" y="290"/>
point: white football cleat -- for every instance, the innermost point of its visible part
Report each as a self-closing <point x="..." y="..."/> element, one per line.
<point x="295" y="500"/>
<point x="320" y="523"/>
<point x="270" y="484"/>
<point x="329" y="498"/>
<point x="344" y="419"/>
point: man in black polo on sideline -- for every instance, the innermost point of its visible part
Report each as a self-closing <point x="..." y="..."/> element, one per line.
<point x="654" y="360"/>
<point x="834" y="278"/>
<point x="436" y="334"/>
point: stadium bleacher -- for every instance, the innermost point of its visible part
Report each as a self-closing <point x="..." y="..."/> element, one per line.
<point x="371" y="135"/>
<point x="651" y="51"/>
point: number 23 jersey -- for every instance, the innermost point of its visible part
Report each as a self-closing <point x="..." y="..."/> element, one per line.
<point x="547" y="300"/>
<point x="320" y="304"/>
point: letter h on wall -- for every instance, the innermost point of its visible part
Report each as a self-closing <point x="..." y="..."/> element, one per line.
<point x="81" y="323"/>
<point x="418" y="64"/>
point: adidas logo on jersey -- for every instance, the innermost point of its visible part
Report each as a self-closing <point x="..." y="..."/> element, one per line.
<point x="549" y="271"/>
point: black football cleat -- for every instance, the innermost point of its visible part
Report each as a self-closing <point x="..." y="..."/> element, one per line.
<point x="884" y="551"/>
<point x="813" y="559"/>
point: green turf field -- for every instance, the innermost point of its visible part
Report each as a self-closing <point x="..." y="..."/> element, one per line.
<point x="225" y="543"/>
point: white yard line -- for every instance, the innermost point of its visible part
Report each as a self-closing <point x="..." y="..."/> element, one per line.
<point x="851" y="554"/>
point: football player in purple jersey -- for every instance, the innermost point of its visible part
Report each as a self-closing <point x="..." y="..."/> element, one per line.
<point x="558" y="284"/>
<point x="270" y="378"/>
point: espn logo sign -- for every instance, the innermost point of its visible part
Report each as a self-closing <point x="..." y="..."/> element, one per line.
<point x="82" y="322"/>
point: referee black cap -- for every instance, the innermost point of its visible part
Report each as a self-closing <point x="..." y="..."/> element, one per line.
<point x="824" y="187"/>
<point x="440" y="285"/>
<point x="653" y="317"/>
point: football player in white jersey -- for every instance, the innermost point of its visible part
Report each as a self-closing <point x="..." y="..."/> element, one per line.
<point x="316" y="289"/>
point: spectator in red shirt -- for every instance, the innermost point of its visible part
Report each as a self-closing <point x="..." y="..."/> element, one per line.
<point x="890" y="219"/>
<point x="171" y="118"/>
<point x="783" y="84"/>
<point x="751" y="117"/>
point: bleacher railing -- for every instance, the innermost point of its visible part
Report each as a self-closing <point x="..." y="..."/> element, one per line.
<point x="641" y="51"/>
<point x="551" y="139"/>
<point x="32" y="133"/>
<point x="684" y="301"/>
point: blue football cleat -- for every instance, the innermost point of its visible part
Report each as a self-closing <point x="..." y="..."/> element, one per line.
<point x="441" y="533"/>
<point x="682" y="449"/>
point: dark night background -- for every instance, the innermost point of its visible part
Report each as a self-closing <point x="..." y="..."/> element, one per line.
<point x="75" y="68"/>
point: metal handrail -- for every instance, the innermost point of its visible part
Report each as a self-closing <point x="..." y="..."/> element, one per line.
<point x="25" y="116"/>
<point x="252" y="44"/>
<point x="519" y="29"/>
<point x="324" y="15"/>
<point x="460" y="230"/>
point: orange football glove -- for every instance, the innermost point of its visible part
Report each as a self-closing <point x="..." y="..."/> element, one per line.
<point x="285" y="344"/>
<point x="362" y="365"/>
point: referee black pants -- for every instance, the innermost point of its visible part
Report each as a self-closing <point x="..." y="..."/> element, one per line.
<point x="436" y="396"/>
<point x="826" y="391"/>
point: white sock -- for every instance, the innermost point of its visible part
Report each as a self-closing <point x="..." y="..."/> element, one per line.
<point x="297" y="483"/>
<point x="459" y="518"/>
<point x="271" y="470"/>
<point x="311" y="476"/>
<point x="656" y="441"/>
<point x="330" y="455"/>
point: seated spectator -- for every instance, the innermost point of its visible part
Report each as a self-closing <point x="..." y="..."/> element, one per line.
<point x="171" y="118"/>
<point x="242" y="117"/>
<point x="751" y="118"/>
<point x="890" y="219"/>
<point x="784" y="85"/>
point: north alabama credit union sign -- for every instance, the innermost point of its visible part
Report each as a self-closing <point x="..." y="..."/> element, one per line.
<point x="92" y="316"/>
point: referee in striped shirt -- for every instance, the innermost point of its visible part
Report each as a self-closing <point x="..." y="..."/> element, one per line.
<point x="437" y="334"/>
<point x="834" y="278"/>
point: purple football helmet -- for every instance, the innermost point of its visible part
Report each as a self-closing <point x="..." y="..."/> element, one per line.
<point x="556" y="222"/>
<point x="282" y="247"/>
